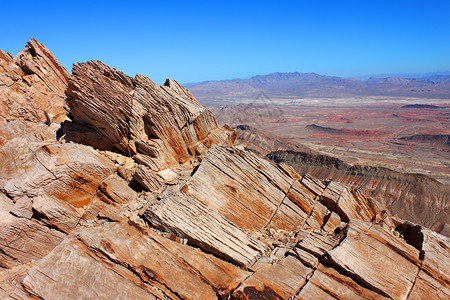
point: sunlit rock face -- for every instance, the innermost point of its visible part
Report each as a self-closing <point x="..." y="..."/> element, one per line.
<point x="136" y="116"/>
<point x="139" y="195"/>
<point x="32" y="85"/>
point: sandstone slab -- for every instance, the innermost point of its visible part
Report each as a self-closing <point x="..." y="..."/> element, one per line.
<point x="382" y="262"/>
<point x="279" y="281"/>
<point x="69" y="172"/>
<point x="249" y="191"/>
<point x="186" y="217"/>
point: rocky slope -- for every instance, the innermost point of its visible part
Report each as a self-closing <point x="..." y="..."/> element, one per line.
<point x="160" y="205"/>
<point x="413" y="197"/>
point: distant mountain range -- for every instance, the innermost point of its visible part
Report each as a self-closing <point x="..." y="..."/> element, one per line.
<point x="404" y="75"/>
<point x="432" y="85"/>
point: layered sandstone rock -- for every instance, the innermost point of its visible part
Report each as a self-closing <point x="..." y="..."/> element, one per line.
<point x="32" y="85"/>
<point x="188" y="218"/>
<point x="136" y="116"/>
<point x="175" y="212"/>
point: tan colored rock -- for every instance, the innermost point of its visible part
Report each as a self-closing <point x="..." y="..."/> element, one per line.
<point x="315" y="213"/>
<point x="306" y="258"/>
<point x="331" y="284"/>
<point x="23" y="240"/>
<point x="437" y="256"/>
<point x="23" y="208"/>
<point x="378" y="259"/>
<point x="148" y="179"/>
<point x="244" y="188"/>
<point x="221" y="136"/>
<point x="69" y="172"/>
<point x="428" y="287"/>
<point x="320" y="243"/>
<point x="188" y="218"/>
<point x="56" y="213"/>
<point x="136" y="115"/>
<point x="6" y="204"/>
<point x="349" y="206"/>
<point x="253" y="193"/>
<point x="176" y="87"/>
<point x="279" y="281"/>
<point x="117" y="189"/>
<point x="288" y="216"/>
<point x="312" y="291"/>
<point x="32" y="132"/>
<point x="152" y="163"/>
<point x="49" y="279"/>
<point x="314" y="185"/>
<point x="199" y="273"/>
<point x="433" y="279"/>
<point x="168" y="175"/>
<point x="96" y="207"/>
<point x="126" y="166"/>
<point x="290" y="171"/>
<point x="155" y="264"/>
<point x="32" y="85"/>
<point x="10" y="282"/>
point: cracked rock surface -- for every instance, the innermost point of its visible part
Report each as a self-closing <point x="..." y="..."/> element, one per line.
<point x="137" y="194"/>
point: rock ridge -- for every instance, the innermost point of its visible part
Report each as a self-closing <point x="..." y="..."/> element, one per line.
<point x="136" y="193"/>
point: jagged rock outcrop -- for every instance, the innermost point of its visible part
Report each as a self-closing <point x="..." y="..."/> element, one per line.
<point x="136" y="116"/>
<point x="32" y="85"/>
<point x="184" y="215"/>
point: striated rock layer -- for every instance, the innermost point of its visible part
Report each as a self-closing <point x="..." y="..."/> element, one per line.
<point x="136" y="116"/>
<point x="32" y="85"/>
<point x="175" y="212"/>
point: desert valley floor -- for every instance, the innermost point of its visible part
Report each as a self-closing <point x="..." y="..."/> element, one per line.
<point x="404" y="134"/>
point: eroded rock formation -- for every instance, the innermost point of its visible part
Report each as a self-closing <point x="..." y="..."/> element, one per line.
<point x="134" y="115"/>
<point x="32" y="85"/>
<point x="162" y="206"/>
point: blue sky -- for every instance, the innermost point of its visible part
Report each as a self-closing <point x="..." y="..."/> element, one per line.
<point x="205" y="40"/>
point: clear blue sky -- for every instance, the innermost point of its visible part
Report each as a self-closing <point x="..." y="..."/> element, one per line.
<point x="204" y="40"/>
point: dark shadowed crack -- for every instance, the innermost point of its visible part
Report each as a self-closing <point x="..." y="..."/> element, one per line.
<point x="279" y="205"/>
<point x="415" y="279"/>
